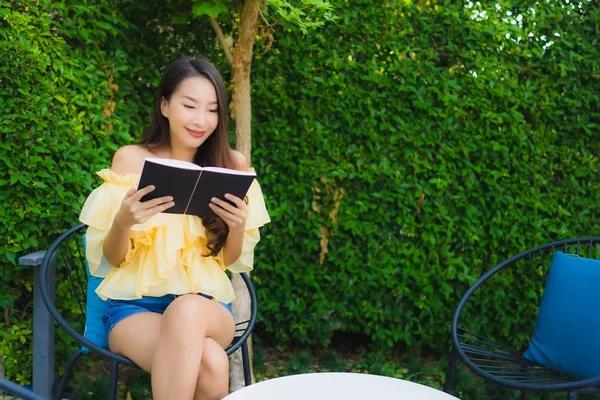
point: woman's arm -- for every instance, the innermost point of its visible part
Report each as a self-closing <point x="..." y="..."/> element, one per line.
<point x="233" y="246"/>
<point x="235" y="217"/>
<point x="132" y="211"/>
<point x="116" y="245"/>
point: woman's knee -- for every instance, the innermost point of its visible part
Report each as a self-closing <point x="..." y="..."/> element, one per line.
<point x="188" y="311"/>
<point x="193" y="315"/>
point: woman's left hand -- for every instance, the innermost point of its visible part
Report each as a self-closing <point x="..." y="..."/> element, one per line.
<point x="234" y="216"/>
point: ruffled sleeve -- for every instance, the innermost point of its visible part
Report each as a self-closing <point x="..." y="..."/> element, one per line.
<point x="98" y="213"/>
<point x="257" y="217"/>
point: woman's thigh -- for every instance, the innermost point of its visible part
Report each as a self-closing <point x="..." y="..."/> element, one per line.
<point x="136" y="337"/>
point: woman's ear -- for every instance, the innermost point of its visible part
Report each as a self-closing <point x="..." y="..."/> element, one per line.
<point x="164" y="107"/>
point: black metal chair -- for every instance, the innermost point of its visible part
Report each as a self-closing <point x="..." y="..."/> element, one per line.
<point x="64" y="263"/>
<point x="17" y="390"/>
<point x="498" y="355"/>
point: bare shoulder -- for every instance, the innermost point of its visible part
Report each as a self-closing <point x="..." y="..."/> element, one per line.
<point x="129" y="159"/>
<point x="241" y="163"/>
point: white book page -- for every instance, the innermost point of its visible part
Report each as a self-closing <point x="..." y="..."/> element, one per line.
<point x="174" y="163"/>
<point x="229" y="171"/>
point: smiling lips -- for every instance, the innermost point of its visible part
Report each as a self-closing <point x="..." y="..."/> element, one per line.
<point x="196" y="134"/>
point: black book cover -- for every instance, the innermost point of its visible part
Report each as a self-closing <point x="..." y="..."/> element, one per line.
<point x="192" y="186"/>
<point x="215" y="184"/>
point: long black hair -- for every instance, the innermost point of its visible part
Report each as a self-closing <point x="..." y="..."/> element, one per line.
<point x="215" y="151"/>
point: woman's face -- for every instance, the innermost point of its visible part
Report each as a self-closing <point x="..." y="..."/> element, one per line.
<point x="192" y="112"/>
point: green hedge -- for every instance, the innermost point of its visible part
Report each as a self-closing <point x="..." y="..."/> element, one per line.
<point x="394" y="175"/>
<point x="408" y="149"/>
<point x="60" y="94"/>
<point x="77" y="81"/>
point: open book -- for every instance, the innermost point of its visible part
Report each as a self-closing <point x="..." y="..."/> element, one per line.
<point x="192" y="186"/>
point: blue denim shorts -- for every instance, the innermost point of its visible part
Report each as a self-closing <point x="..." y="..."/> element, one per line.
<point x="118" y="310"/>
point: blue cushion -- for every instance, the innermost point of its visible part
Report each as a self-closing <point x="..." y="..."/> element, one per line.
<point x="566" y="335"/>
<point x="94" y="311"/>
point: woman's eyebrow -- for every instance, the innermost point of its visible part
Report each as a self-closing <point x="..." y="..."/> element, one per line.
<point x="196" y="101"/>
<point x="189" y="98"/>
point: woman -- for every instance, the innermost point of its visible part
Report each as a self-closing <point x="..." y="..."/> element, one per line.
<point x="165" y="278"/>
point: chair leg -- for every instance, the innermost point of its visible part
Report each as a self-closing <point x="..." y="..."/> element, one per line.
<point x="114" y="374"/>
<point x="246" y="364"/>
<point x="450" y="371"/>
<point x="62" y="384"/>
<point x="572" y="396"/>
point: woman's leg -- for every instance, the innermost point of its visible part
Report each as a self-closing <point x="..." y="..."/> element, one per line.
<point x="185" y="324"/>
<point x="171" y="346"/>
<point x="136" y="337"/>
<point x="213" y="380"/>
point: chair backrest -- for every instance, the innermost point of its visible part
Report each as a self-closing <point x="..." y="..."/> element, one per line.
<point x="512" y="290"/>
<point x="64" y="270"/>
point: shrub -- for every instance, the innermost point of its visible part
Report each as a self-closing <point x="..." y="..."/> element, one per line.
<point x="77" y="81"/>
<point x="403" y="151"/>
<point x="408" y="149"/>
<point x="61" y="98"/>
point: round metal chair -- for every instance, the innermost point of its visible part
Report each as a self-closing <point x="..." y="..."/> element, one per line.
<point x="497" y="355"/>
<point x="65" y="264"/>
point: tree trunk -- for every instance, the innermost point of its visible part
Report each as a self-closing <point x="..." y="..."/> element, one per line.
<point x="241" y="66"/>
<point x="242" y="113"/>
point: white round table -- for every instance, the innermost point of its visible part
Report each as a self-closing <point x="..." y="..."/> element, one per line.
<point x="337" y="385"/>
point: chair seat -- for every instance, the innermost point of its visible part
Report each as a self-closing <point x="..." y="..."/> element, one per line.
<point x="506" y="363"/>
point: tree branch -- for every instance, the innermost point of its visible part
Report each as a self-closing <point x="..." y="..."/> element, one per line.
<point x="221" y="38"/>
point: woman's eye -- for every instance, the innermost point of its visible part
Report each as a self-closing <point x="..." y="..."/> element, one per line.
<point x="213" y="111"/>
<point x="190" y="107"/>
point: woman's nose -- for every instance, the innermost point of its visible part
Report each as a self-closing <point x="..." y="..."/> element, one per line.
<point x="199" y="119"/>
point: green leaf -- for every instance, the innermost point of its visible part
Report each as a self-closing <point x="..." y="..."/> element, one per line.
<point x="10" y="256"/>
<point x="209" y="8"/>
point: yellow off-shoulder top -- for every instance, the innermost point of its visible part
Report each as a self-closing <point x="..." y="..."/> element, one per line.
<point x="165" y="255"/>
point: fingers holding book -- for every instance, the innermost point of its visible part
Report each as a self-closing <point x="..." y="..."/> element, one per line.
<point x="133" y="211"/>
<point x="233" y="215"/>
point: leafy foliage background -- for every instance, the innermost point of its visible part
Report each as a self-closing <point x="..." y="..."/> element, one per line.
<point x="403" y="149"/>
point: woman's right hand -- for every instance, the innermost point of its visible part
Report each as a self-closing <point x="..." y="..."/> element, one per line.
<point x="133" y="211"/>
